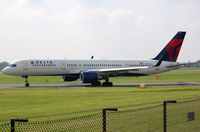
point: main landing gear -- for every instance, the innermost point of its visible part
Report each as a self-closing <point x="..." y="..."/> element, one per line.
<point x="26" y="81"/>
<point x="107" y="83"/>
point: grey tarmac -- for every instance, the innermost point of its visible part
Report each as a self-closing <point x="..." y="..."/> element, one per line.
<point x="88" y="85"/>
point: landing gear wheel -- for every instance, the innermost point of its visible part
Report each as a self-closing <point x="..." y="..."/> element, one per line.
<point x="27" y="84"/>
<point x="108" y="84"/>
<point x="26" y="81"/>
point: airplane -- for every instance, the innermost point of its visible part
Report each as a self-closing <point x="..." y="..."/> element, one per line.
<point x="92" y="71"/>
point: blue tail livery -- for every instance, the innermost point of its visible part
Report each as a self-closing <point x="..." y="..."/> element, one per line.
<point x="171" y="50"/>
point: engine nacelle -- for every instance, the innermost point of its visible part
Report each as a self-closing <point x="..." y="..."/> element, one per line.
<point x="70" y="77"/>
<point x="89" y="77"/>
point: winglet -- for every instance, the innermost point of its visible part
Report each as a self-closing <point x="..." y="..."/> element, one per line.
<point x="171" y="51"/>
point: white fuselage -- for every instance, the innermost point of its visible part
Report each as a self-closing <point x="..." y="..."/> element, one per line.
<point x="63" y="67"/>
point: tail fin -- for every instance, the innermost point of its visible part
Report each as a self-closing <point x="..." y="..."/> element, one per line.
<point x="171" y="50"/>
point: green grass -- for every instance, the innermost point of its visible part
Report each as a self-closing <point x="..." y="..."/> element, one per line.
<point x="34" y="102"/>
<point x="5" y="79"/>
<point x="181" y="75"/>
<point x="23" y="102"/>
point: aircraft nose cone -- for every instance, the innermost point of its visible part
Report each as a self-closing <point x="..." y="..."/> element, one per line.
<point x="6" y="71"/>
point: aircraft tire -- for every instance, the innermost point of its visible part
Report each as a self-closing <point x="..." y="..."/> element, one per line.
<point x="107" y="84"/>
<point x="27" y="84"/>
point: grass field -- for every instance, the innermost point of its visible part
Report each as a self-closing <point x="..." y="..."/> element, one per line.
<point x="22" y="102"/>
<point x="34" y="102"/>
<point x="29" y="102"/>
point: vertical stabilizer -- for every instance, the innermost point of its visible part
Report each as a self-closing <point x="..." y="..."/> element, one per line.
<point x="172" y="49"/>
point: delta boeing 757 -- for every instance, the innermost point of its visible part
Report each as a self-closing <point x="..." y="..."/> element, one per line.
<point x="92" y="71"/>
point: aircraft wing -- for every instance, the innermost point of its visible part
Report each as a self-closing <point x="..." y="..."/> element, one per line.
<point x="114" y="71"/>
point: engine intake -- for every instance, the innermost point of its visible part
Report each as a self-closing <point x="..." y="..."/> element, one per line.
<point x="89" y="77"/>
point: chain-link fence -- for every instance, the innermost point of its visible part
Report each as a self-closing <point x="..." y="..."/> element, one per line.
<point x="85" y="121"/>
<point x="126" y="119"/>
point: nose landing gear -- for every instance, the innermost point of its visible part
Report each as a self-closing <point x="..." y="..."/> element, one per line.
<point x="26" y="81"/>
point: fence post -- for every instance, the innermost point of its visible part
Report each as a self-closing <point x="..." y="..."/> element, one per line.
<point x="165" y="113"/>
<point x="104" y="117"/>
<point x="12" y="123"/>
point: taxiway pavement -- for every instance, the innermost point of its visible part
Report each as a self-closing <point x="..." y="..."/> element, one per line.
<point x="87" y="85"/>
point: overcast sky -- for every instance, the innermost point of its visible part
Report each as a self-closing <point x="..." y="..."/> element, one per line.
<point x="107" y="29"/>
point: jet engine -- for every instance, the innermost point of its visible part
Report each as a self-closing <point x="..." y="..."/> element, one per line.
<point x="90" y="77"/>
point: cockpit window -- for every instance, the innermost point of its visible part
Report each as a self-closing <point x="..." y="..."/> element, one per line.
<point x="13" y="65"/>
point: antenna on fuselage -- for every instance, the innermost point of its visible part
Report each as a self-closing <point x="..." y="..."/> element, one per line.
<point x="92" y="57"/>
